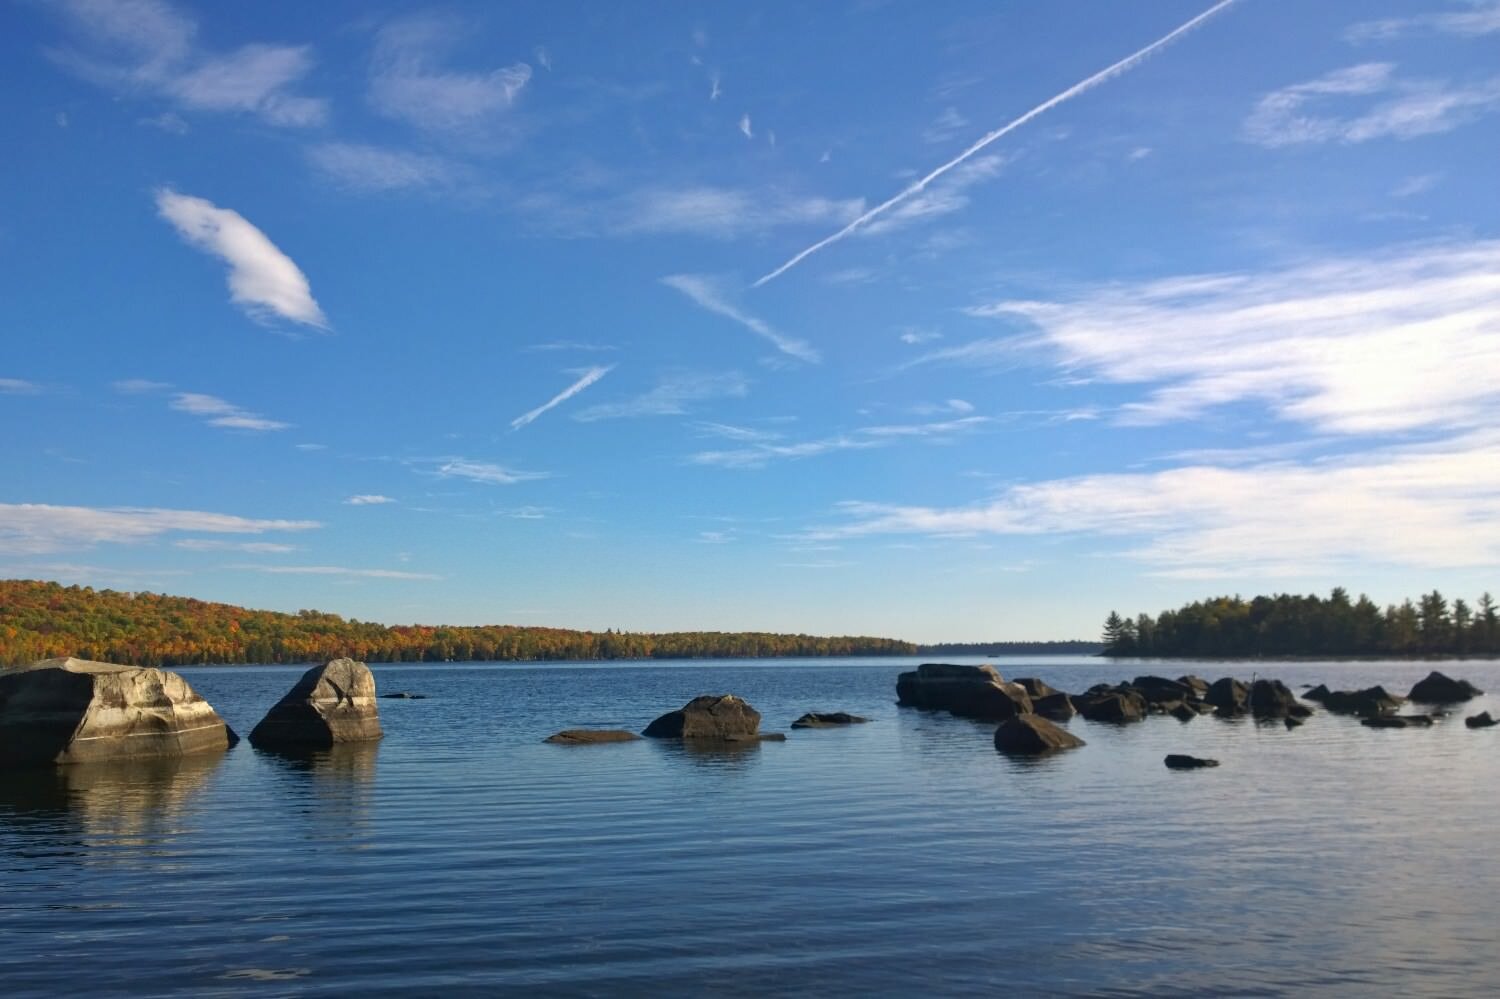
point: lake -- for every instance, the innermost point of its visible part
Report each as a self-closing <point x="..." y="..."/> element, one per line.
<point x="463" y="856"/>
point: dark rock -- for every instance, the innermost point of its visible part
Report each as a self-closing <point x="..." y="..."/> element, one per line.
<point x="590" y="736"/>
<point x="1197" y="683"/>
<point x="1397" y="721"/>
<point x="1435" y="688"/>
<point x="1114" y="705"/>
<point x="967" y="691"/>
<point x="1178" y="761"/>
<point x="1227" y="695"/>
<point x="1035" y="688"/>
<point x="1481" y="721"/>
<point x="1160" y="690"/>
<point x="1319" y="693"/>
<point x="722" y="717"/>
<point x="332" y="703"/>
<point x="827" y="719"/>
<point x="79" y="711"/>
<point x="1183" y="712"/>
<point x="403" y="695"/>
<point x="1367" y="703"/>
<point x="1055" y="707"/>
<point x="1292" y="722"/>
<point x="1273" y="699"/>
<point x="1032" y="735"/>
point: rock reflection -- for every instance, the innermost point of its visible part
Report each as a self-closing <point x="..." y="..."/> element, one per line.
<point x="710" y="754"/>
<point x="333" y="786"/>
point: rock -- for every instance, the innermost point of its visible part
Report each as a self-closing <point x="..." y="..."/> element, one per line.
<point x="721" y="717"/>
<point x="78" y="711"/>
<point x="1292" y="722"/>
<point x="1117" y="705"/>
<point x="1197" y="683"/>
<point x="1397" y="721"/>
<point x="1481" y="721"/>
<point x="403" y="695"/>
<point x="332" y="703"/>
<point x="1273" y="699"/>
<point x="1435" y="688"/>
<point x="1367" y="703"/>
<point x="590" y="736"/>
<point x="1228" y="696"/>
<point x="827" y="719"/>
<point x="1032" y="735"/>
<point x="1054" y="707"/>
<point x="1160" y="690"/>
<point x="1319" y="693"/>
<point x="1035" y="688"/>
<point x="967" y="691"/>
<point x="1178" y="761"/>
<point x="1182" y="712"/>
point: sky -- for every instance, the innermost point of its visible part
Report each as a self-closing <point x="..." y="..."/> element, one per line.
<point x="957" y="322"/>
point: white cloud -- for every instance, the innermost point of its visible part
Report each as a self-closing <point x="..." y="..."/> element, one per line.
<point x="408" y="82"/>
<point x="333" y="570"/>
<point x="670" y="397"/>
<point x="1482" y="18"/>
<point x="485" y="472"/>
<point x="589" y="348"/>
<point x="761" y="454"/>
<point x="761" y="449"/>
<point x="1266" y="519"/>
<point x="734" y="433"/>
<point x="221" y="413"/>
<point x="150" y="47"/>
<point x="262" y="280"/>
<point x="942" y="428"/>
<point x="945" y="127"/>
<point x="745" y="127"/>
<point x="588" y="378"/>
<point x="1406" y="109"/>
<point x="916" y="336"/>
<point x="943" y="198"/>
<point x="19" y="386"/>
<point x="250" y="547"/>
<point x="723" y="212"/>
<point x="705" y="293"/>
<point x="371" y="169"/>
<point x="34" y="528"/>
<point x="1403" y="340"/>
<point x="368" y="499"/>
<point x="139" y="386"/>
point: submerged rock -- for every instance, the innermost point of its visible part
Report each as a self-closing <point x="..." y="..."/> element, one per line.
<point x="1032" y="735"/>
<point x="1292" y="722"/>
<point x="1481" y="721"/>
<point x="403" y="695"/>
<point x="967" y="691"/>
<point x="1182" y="712"/>
<point x="79" y="711"/>
<point x="721" y="717"/>
<point x="1397" y="721"/>
<point x="828" y="719"/>
<point x="1179" y="761"/>
<point x="590" y="736"/>
<point x="332" y="703"/>
<point x="1055" y="707"/>
<point x="1368" y="703"/>
<point x="1435" y="688"/>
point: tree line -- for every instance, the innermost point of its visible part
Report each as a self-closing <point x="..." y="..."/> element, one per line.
<point x="1294" y="625"/>
<point x="40" y="620"/>
<point x="1072" y="648"/>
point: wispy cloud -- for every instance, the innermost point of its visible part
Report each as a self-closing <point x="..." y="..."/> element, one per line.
<point x="35" y="528"/>
<point x="249" y="547"/>
<point x="139" y="386"/>
<point x="1481" y="18"/>
<point x="333" y="570"/>
<point x="1415" y="185"/>
<point x="670" y="397"/>
<point x="368" y="499"/>
<point x="947" y="125"/>
<point x="557" y="345"/>
<point x="220" y="413"/>
<point x="745" y="129"/>
<point x="941" y="199"/>
<point x="588" y="378"/>
<point x="1209" y="522"/>
<point x="408" y="81"/>
<point x="1403" y="340"/>
<point x="706" y="293"/>
<point x="484" y="471"/>
<point x="373" y="169"/>
<point x="917" y="336"/>
<point x="1406" y="109"/>
<point x="19" y="386"/>
<point x="728" y="431"/>
<point x="762" y="449"/>
<point x="722" y="212"/>
<point x="150" y="47"/>
<point x="917" y="187"/>
<point x="763" y="453"/>
<point x="263" y="281"/>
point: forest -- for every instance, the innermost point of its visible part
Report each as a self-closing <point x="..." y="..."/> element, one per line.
<point x="1062" y="648"/>
<point x="1294" y="625"/>
<point x="40" y="620"/>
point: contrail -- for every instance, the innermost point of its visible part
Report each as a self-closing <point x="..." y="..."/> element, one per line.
<point x="1123" y="66"/>
<point x="590" y="376"/>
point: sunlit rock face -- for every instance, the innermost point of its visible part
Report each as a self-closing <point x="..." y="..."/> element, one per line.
<point x="332" y="703"/>
<point x="79" y="711"/>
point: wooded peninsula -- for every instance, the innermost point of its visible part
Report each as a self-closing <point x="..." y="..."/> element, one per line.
<point x="40" y="620"/>
<point x="1293" y="625"/>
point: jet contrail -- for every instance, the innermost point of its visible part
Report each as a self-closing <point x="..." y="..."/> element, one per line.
<point x="1124" y="65"/>
<point x="590" y="376"/>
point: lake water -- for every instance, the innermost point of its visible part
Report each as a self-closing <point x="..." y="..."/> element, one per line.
<point x="463" y="856"/>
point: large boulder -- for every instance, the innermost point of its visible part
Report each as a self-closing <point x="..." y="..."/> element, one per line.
<point x="1435" y="688"/>
<point x="1118" y="705"/>
<point x="1366" y="703"/>
<point x="332" y="703"/>
<point x="1035" y="687"/>
<point x="968" y="691"/>
<point x="1228" y="696"/>
<point x="1055" y="707"/>
<point x="1032" y="735"/>
<point x="78" y="711"/>
<point x="1274" y="699"/>
<point x="719" y="717"/>
<point x="1199" y="685"/>
<point x="1158" y="690"/>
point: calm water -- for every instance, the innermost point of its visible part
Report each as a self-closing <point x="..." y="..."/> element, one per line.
<point x="463" y="856"/>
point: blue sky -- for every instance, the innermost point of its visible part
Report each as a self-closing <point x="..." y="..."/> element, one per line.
<point x="480" y="313"/>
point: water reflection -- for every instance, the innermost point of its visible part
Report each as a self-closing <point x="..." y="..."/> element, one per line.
<point x="710" y="754"/>
<point x="332" y="786"/>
